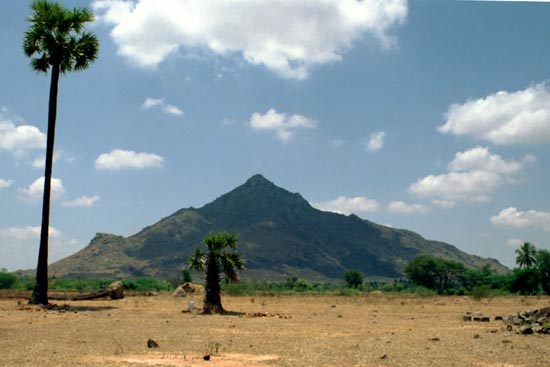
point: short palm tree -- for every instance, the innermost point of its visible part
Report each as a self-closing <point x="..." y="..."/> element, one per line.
<point x="526" y="255"/>
<point x="219" y="259"/>
<point x="56" y="39"/>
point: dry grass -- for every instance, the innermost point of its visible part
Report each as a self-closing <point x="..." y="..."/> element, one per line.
<point x="298" y="331"/>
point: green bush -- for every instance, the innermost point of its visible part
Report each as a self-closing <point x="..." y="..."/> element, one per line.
<point x="353" y="279"/>
<point x="7" y="280"/>
<point x="144" y="284"/>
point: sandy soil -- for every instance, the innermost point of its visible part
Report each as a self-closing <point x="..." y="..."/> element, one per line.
<point x="286" y="331"/>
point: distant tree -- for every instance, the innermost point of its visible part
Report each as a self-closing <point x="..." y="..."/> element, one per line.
<point x="433" y="273"/>
<point x="524" y="281"/>
<point x="353" y="278"/>
<point x="219" y="259"/>
<point x="186" y="276"/>
<point x="7" y="280"/>
<point x="58" y="40"/>
<point x="526" y="255"/>
<point x="543" y="266"/>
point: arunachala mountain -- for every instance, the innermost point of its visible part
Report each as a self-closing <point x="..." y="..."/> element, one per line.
<point x="280" y="234"/>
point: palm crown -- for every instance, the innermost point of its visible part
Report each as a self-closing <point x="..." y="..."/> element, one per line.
<point x="56" y="37"/>
<point x="526" y="255"/>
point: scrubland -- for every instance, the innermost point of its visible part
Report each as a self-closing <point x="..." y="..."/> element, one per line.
<point x="287" y="330"/>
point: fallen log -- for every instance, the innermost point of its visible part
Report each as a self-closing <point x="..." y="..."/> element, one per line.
<point x="114" y="290"/>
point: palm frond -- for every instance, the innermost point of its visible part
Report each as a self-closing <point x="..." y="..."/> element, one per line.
<point x="231" y="264"/>
<point x="198" y="260"/>
<point x="41" y="64"/>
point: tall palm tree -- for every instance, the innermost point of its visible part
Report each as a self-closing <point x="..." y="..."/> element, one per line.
<point x="217" y="261"/>
<point x="526" y="255"/>
<point x="56" y="39"/>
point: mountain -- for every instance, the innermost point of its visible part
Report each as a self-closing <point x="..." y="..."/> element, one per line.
<point x="280" y="234"/>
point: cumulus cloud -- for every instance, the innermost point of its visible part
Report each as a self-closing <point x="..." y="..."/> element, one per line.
<point x="521" y="117"/>
<point x="511" y="217"/>
<point x="19" y="246"/>
<point x="402" y="207"/>
<point x="35" y="190"/>
<point x="120" y="159"/>
<point x="288" y="37"/>
<point x="348" y="205"/>
<point x="283" y="125"/>
<point x="18" y="139"/>
<point x="5" y="183"/>
<point x="165" y="107"/>
<point x="83" y="201"/>
<point x="474" y="175"/>
<point x="375" y="142"/>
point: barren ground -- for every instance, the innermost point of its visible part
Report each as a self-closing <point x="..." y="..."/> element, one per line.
<point x="297" y="331"/>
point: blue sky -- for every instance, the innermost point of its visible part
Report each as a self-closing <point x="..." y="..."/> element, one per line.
<point x="432" y="116"/>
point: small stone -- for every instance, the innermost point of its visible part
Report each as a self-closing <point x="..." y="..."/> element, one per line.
<point x="384" y="356"/>
<point x="526" y="329"/>
<point x="206" y="357"/>
<point x="499" y="318"/>
<point x="152" y="344"/>
<point x="477" y="336"/>
<point x="466" y="318"/>
<point x="509" y="328"/>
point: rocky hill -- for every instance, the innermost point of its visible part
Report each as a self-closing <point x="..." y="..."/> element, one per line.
<point x="280" y="233"/>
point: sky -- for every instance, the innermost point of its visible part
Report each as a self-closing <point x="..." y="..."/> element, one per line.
<point x="429" y="115"/>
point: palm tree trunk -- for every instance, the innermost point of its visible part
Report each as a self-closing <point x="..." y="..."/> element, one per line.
<point x="212" y="298"/>
<point x="40" y="292"/>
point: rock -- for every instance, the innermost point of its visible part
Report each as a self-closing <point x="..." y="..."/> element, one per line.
<point x="152" y="344"/>
<point x="466" y="318"/>
<point x="151" y="294"/>
<point x="526" y="329"/>
<point x="516" y="320"/>
<point x="116" y="290"/>
<point x="499" y="318"/>
<point x="188" y="288"/>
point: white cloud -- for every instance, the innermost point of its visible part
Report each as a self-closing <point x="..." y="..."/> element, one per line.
<point x="83" y="201"/>
<point x="5" y="183"/>
<point x="165" y="107"/>
<point x="474" y="175"/>
<point x="402" y="207"/>
<point x="288" y="37"/>
<point x="521" y="117"/>
<point x="18" y="139"/>
<point x="481" y="159"/>
<point x="35" y="190"/>
<point x="511" y="217"/>
<point x="347" y="205"/>
<point x="375" y="141"/>
<point x="173" y="110"/>
<point x="19" y="246"/>
<point x="151" y="102"/>
<point x="282" y="124"/>
<point x="120" y="159"/>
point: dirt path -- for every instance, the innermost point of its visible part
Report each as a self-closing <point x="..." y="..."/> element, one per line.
<point x="286" y="331"/>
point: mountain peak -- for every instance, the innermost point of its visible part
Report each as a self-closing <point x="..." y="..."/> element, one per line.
<point x="257" y="180"/>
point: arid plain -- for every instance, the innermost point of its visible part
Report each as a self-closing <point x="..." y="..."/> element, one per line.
<point x="288" y="330"/>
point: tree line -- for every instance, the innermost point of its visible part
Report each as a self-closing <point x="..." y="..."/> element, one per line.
<point x="530" y="277"/>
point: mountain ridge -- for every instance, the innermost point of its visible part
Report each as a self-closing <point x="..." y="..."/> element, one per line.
<point x="280" y="234"/>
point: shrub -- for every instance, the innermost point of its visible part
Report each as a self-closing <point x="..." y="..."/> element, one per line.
<point x="353" y="279"/>
<point x="7" y="280"/>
